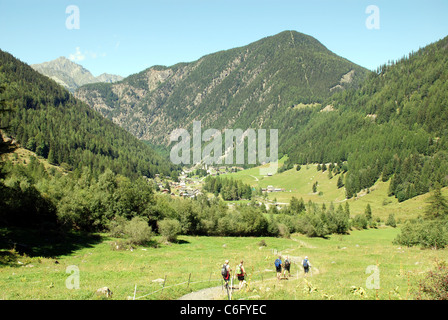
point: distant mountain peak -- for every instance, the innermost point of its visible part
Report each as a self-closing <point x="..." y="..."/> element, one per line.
<point x="71" y="75"/>
<point x="243" y="87"/>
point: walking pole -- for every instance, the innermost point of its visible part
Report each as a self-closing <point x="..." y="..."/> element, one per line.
<point x="188" y="285"/>
<point x="164" y="281"/>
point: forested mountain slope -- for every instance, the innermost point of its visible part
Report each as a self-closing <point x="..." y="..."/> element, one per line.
<point x="246" y="87"/>
<point x="393" y="126"/>
<point x="46" y="119"/>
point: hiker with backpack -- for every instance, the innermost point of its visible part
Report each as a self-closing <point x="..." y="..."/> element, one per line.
<point x="287" y="267"/>
<point x="278" y="266"/>
<point x="306" y="265"/>
<point x="225" y="272"/>
<point x="240" y="273"/>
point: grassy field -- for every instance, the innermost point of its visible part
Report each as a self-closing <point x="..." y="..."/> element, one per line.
<point x="299" y="184"/>
<point x="193" y="263"/>
<point x="169" y="271"/>
<point x="341" y="269"/>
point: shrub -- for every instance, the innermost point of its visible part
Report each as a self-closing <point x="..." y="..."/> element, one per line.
<point x="250" y="222"/>
<point x="138" y="231"/>
<point x="262" y="243"/>
<point x="116" y="227"/>
<point x="391" y="221"/>
<point x="283" y="230"/>
<point x="427" y="234"/>
<point x="312" y="225"/>
<point x="360" y="221"/>
<point x="338" y="221"/>
<point x="435" y="285"/>
<point x="169" y="229"/>
<point x="9" y="257"/>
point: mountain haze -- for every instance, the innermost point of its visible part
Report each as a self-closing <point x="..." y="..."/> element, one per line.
<point x="70" y="74"/>
<point x="245" y="87"/>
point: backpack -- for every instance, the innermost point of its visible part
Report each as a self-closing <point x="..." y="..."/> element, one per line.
<point x="278" y="262"/>
<point x="305" y="263"/>
<point x="224" y="270"/>
<point x="238" y="269"/>
<point x="287" y="263"/>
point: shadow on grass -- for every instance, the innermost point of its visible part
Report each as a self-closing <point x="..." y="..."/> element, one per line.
<point x="179" y="241"/>
<point x="39" y="243"/>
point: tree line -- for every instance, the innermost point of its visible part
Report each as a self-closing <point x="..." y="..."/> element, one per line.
<point x="228" y="188"/>
<point x="393" y="127"/>
<point x="37" y="197"/>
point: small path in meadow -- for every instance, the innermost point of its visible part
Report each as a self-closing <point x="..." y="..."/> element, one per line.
<point x="213" y="293"/>
<point x="219" y="292"/>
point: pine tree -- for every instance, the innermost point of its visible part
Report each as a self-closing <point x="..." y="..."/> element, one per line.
<point x="340" y="182"/>
<point x="51" y="157"/>
<point x="438" y="207"/>
<point x="347" y="210"/>
<point x="368" y="212"/>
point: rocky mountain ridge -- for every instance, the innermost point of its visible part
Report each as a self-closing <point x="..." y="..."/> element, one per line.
<point x="70" y="74"/>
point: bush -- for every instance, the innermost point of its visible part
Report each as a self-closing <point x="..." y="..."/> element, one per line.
<point x="136" y="231"/>
<point x="262" y="243"/>
<point x="312" y="225"/>
<point x="435" y="284"/>
<point x="360" y="221"/>
<point x="391" y="221"/>
<point x="338" y="221"/>
<point x="116" y="227"/>
<point x="9" y="257"/>
<point x="283" y="230"/>
<point x="169" y="229"/>
<point x="427" y="234"/>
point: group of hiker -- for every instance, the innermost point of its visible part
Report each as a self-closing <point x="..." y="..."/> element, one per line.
<point x="286" y="266"/>
<point x="280" y="266"/>
<point x="240" y="273"/>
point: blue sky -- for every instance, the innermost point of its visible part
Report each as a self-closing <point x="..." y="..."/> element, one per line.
<point x="125" y="37"/>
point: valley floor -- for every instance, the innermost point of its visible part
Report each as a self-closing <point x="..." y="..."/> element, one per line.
<point x="350" y="267"/>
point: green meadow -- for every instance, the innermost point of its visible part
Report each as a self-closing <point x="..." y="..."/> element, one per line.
<point x="299" y="184"/>
<point x="168" y="271"/>
<point x="341" y="264"/>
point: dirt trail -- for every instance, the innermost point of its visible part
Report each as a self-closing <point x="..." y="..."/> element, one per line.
<point x="213" y="293"/>
<point x="219" y="292"/>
